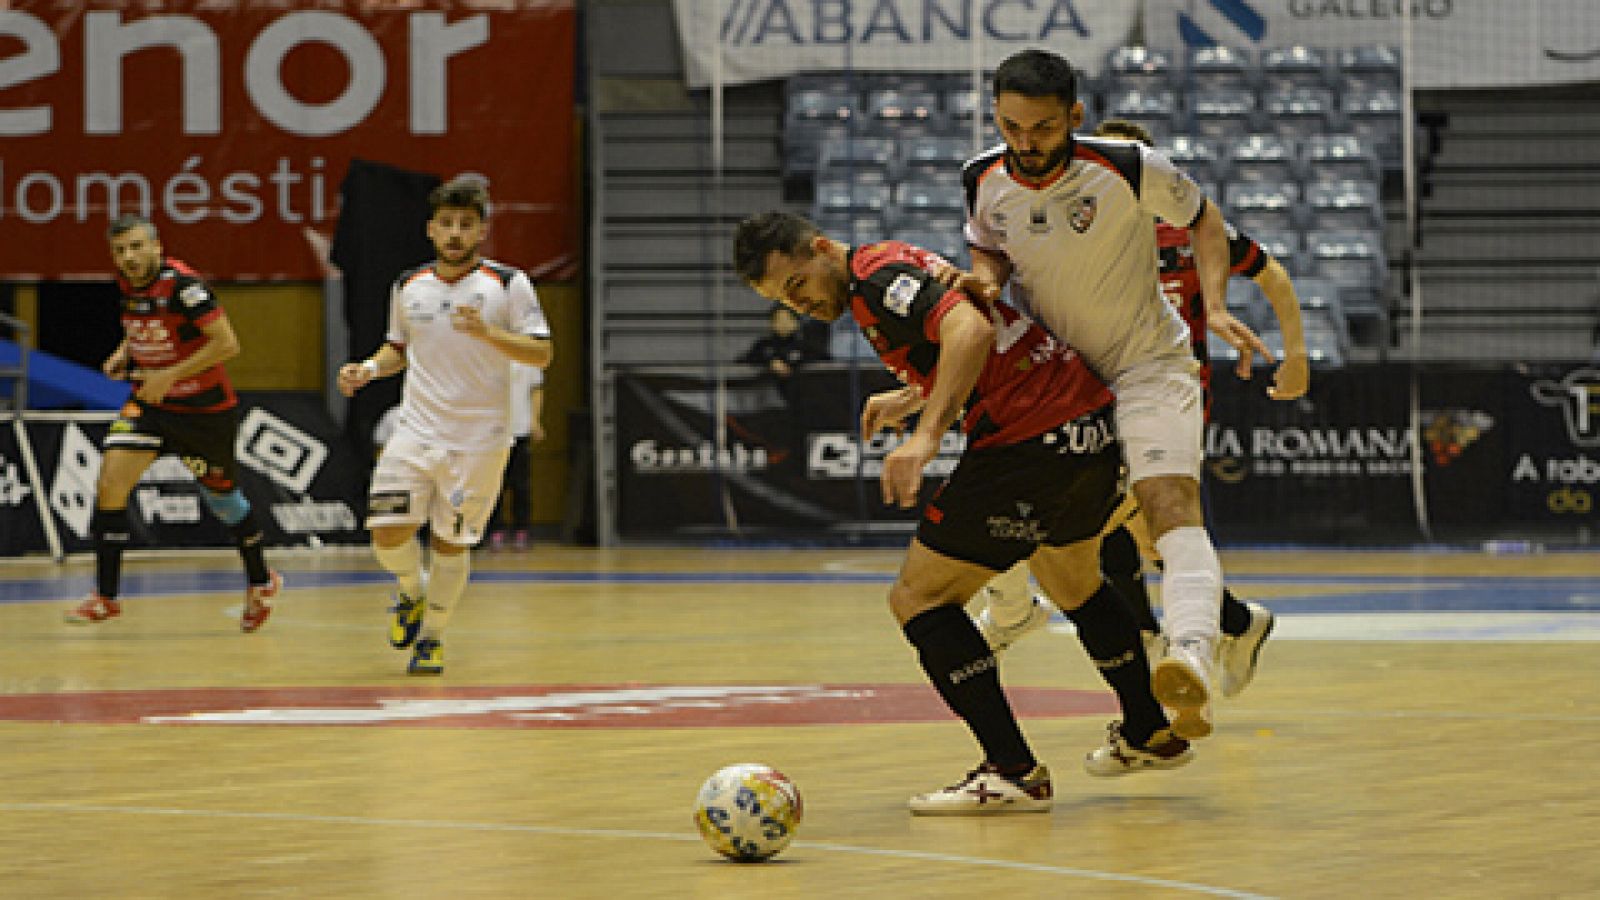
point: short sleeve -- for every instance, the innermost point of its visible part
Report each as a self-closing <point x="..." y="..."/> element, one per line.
<point x="1167" y="192"/>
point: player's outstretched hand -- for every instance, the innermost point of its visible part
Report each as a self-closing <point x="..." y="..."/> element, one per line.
<point x="353" y="377"/>
<point x="902" y="470"/>
<point x="974" y="286"/>
<point x="1241" y="338"/>
<point x="1291" y="379"/>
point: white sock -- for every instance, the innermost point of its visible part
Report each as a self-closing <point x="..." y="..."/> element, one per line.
<point x="404" y="563"/>
<point x="1191" y="587"/>
<point x="447" y="581"/>
<point x="1011" y="599"/>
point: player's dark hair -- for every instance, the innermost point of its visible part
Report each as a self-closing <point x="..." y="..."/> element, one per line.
<point x="1128" y="131"/>
<point x="127" y="222"/>
<point x="759" y="235"/>
<point x="1037" y="73"/>
<point x="461" y="192"/>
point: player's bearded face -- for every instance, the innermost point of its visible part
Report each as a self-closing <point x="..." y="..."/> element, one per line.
<point x="137" y="255"/>
<point x="1037" y="131"/>
<point x="456" y="234"/>
<point x="810" y="283"/>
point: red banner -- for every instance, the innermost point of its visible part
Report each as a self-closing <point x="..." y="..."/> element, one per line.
<point x="231" y="124"/>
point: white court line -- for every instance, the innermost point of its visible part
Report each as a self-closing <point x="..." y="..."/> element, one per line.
<point x="629" y="835"/>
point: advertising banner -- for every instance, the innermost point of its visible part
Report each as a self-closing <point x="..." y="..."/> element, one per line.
<point x="1455" y="43"/>
<point x="231" y="123"/>
<point x="1502" y="451"/>
<point x="760" y="39"/>
<point x="303" y="481"/>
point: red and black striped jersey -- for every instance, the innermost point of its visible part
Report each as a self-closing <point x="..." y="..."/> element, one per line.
<point x="1031" y="382"/>
<point x="163" y="322"/>
<point x="1180" y="280"/>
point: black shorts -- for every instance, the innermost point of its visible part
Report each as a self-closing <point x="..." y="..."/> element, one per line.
<point x="1001" y="503"/>
<point x="204" y="441"/>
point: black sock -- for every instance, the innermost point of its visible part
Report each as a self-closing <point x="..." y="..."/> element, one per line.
<point x="1235" y="615"/>
<point x="962" y="667"/>
<point x="247" y="537"/>
<point x="1108" y="634"/>
<point x="108" y="529"/>
<point x="1119" y="560"/>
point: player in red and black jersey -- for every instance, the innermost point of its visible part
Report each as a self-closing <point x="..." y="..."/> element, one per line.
<point x="1039" y="480"/>
<point x="176" y="339"/>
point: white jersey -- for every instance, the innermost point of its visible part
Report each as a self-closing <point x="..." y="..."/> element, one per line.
<point x="1083" y="246"/>
<point x="457" y="391"/>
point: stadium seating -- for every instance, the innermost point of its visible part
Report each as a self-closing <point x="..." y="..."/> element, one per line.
<point x="1197" y="156"/>
<point x="1263" y="205"/>
<point x="932" y="156"/>
<point x="1300" y="112"/>
<point x="1156" y="110"/>
<point x="1285" y="246"/>
<point x="1297" y="66"/>
<point x="1219" y="113"/>
<point x="1263" y="157"/>
<point x="1139" y="68"/>
<point x="1343" y="205"/>
<point x="1340" y="157"/>
<point x="1221" y="67"/>
<point x="1369" y="68"/>
<point x="860" y="158"/>
<point x="1374" y="116"/>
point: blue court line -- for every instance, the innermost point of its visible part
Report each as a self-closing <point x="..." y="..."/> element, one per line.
<point x="1386" y="593"/>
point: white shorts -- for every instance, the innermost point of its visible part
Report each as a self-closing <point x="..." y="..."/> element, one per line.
<point x="1160" y="412"/>
<point x="454" y="491"/>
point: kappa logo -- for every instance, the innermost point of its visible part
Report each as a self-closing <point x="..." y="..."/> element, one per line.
<point x="279" y="450"/>
<point x="1578" y="395"/>
<point x="1082" y="214"/>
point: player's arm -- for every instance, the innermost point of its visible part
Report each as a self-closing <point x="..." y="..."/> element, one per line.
<point x="890" y="409"/>
<point x="220" y="346"/>
<point x="1211" y="262"/>
<point x="387" y="360"/>
<point x="522" y="348"/>
<point x="966" y="337"/>
<point x="117" y="364"/>
<point x="1293" y="374"/>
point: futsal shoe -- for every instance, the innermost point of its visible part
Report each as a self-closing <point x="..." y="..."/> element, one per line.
<point x="986" y="792"/>
<point x="256" y="608"/>
<point x="1119" y="756"/>
<point x="427" y="658"/>
<point x="407" y="621"/>
<point x="1182" y="683"/>
<point x="1001" y="637"/>
<point x="94" y="608"/>
<point x="1241" y="653"/>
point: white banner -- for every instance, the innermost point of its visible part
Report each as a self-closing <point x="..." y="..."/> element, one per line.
<point x="1455" y="43"/>
<point x="775" y="38"/>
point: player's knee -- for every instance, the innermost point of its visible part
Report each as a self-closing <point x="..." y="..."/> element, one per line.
<point x="446" y="548"/>
<point x="231" y="507"/>
<point x="1169" y="502"/>
<point x="907" y="603"/>
<point x="391" y="536"/>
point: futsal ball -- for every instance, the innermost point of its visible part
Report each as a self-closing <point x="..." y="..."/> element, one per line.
<point x="748" y="812"/>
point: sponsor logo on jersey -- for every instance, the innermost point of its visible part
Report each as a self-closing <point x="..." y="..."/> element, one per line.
<point x="902" y="291"/>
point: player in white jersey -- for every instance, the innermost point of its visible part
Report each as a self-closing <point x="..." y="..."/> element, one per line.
<point x="453" y="325"/>
<point x="1068" y="222"/>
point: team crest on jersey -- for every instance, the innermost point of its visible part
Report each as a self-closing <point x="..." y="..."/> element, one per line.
<point x="1082" y="214"/>
<point x="900" y="294"/>
<point x="193" y="295"/>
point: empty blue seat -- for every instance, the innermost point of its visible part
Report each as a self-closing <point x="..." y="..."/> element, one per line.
<point x="1220" y="113"/>
<point x="1340" y="157"/>
<point x="1262" y="205"/>
<point x="1139" y="67"/>
<point x="1221" y="66"/>
<point x="1263" y="157"/>
<point x="894" y="105"/>
<point x="1248" y="304"/>
<point x="1296" y="66"/>
<point x="933" y="156"/>
<point x="1197" y="156"/>
<point x="853" y="227"/>
<point x="1353" y="260"/>
<point x="1343" y="205"/>
<point x="1297" y="113"/>
<point x="1374" y="116"/>
<point x="824" y="104"/>
<point x="803" y="141"/>
<point x="947" y="243"/>
<point x="917" y="199"/>
<point x="1374" y="67"/>
<point x="851" y="197"/>
<point x="860" y="158"/>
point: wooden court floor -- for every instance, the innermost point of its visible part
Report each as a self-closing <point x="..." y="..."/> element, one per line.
<point x="1425" y="726"/>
